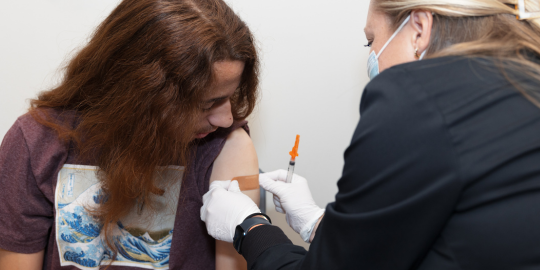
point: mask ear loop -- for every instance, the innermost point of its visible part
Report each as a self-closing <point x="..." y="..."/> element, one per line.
<point x="420" y="57"/>
<point x="423" y="54"/>
<point x="394" y="35"/>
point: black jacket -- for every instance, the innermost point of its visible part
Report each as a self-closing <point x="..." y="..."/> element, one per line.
<point x="443" y="173"/>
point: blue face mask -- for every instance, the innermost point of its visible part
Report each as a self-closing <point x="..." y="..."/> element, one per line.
<point x="373" y="61"/>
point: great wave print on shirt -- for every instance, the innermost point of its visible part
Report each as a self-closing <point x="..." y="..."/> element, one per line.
<point x="143" y="238"/>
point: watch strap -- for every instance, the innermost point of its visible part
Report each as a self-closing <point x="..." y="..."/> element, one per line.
<point x="243" y="228"/>
<point x="259" y="214"/>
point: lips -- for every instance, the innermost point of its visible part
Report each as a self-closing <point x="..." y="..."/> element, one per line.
<point x="202" y="135"/>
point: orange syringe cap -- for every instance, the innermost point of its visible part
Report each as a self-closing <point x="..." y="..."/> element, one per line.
<point x="294" y="152"/>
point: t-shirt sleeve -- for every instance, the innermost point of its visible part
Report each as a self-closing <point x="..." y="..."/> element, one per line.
<point x="26" y="215"/>
<point x="399" y="186"/>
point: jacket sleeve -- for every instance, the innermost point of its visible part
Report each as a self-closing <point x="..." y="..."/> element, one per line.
<point x="399" y="187"/>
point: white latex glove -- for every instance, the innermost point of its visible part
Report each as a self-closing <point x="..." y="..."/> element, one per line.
<point x="293" y="199"/>
<point x="225" y="207"/>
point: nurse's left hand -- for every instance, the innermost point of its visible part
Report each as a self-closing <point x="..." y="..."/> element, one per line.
<point x="225" y="207"/>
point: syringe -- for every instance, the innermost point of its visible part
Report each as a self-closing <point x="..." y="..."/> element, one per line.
<point x="292" y="163"/>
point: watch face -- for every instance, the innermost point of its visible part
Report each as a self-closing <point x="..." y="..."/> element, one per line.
<point x="238" y="232"/>
<point x="238" y="236"/>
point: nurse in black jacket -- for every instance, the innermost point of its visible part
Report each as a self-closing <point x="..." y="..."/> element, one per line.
<point x="443" y="170"/>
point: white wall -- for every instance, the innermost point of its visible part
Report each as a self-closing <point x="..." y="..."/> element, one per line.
<point x="313" y="72"/>
<point x="36" y="36"/>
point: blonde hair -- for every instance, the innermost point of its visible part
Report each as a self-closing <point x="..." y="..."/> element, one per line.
<point x="463" y="8"/>
<point x="480" y="28"/>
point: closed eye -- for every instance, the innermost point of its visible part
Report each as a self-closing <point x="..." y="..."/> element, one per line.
<point x="209" y="105"/>
<point x="207" y="108"/>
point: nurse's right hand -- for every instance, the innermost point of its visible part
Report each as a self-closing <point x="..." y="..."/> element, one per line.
<point x="294" y="199"/>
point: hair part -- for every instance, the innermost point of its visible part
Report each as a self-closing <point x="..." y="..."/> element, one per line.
<point x="136" y="90"/>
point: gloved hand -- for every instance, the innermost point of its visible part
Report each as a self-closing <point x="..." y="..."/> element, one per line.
<point x="293" y="199"/>
<point x="225" y="207"/>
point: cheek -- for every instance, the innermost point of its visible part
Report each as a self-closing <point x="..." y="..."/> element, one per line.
<point x="202" y="120"/>
<point x="399" y="51"/>
<point x="381" y="35"/>
<point x="377" y="45"/>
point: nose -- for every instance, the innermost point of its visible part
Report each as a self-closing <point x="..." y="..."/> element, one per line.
<point x="221" y="116"/>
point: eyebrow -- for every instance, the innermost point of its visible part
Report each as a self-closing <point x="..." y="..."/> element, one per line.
<point x="216" y="99"/>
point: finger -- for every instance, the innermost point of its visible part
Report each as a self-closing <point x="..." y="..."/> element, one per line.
<point x="208" y="194"/>
<point x="277" y="175"/>
<point x="206" y="202"/>
<point x="264" y="177"/>
<point x="203" y="213"/>
<point x="214" y="186"/>
<point x="220" y="184"/>
<point x="270" y="185"/>
<point x="234" y="187"/>
<point x="278" y="204"/>
<point x="265" y="181"/>
<point x="277" y="201"/>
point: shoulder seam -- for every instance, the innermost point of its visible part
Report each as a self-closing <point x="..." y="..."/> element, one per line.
<point x="29" y="155"/>
<point x="447" y="130"/>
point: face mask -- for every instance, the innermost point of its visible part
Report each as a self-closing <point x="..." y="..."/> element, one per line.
<point x="373" y="61"/>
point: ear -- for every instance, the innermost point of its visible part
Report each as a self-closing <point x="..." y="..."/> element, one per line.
<point x="422" y="22"/>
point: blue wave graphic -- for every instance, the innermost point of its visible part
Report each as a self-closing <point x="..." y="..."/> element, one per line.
<point x="134" y="248"/>
<point x="100" y="197"/>
<point x="80" y="242"/>
<point x="79" y="225"/>
<point x="62" y="205"/>
<point x="68" y="238"/>
<point x="79" y="258"/>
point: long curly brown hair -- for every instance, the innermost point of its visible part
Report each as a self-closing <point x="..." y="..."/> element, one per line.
<point x="136" y="90"/>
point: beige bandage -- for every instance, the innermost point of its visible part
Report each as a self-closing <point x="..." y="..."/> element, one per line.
<point x="249" y="182"/>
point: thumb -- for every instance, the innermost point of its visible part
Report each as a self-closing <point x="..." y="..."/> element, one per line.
<point x="277" y="175"/>
<point x="215" y="186"/>
<point x="270" y="185"/>
<point x="234" y="187"/>
<point x="219" y="184"/>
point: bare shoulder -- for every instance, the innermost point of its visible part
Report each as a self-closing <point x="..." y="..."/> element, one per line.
<point x="237" y="158"/>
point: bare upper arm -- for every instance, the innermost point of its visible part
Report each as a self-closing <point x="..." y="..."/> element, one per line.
<point x="237" y="158"/>
<point x="18" y="261"/>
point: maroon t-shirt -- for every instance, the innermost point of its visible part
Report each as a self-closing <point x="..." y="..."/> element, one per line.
<point x="45" y="195"/>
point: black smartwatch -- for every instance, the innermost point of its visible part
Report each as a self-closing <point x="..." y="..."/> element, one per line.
<point x="244" y="227"/>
